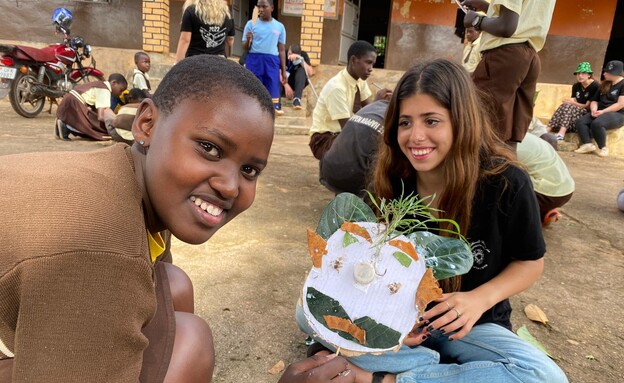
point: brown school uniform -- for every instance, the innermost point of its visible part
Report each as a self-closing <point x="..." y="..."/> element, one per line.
<point x="78" y="288"/>
<point x="81" y="114"/>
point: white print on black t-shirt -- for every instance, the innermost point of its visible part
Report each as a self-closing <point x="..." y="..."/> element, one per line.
<point x="213" y="36"/>
<point x="368" y="122"/>
<point x="614" y="92"/>
<point x="479" y="251"/>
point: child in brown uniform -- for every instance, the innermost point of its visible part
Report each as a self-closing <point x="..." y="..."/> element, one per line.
<point x="82" y="111"/>
<point x="84" y="293"/>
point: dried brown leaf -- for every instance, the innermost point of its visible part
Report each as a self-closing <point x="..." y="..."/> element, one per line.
<point x="535" y="314"/>
<point x="279" y="367"/>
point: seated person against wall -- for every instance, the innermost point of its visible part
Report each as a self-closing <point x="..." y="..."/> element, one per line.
<point x="606" y="111"/>
<point x="119" y="125"/>
<point x="620" y="200"/>
<point x="346" y="165"/>
<point x="297" y="64"/>
<point x="83" y="109"/>
<point x="552" y="183"/>
<point x="583" y="91"/>
<point x="342" y="96"/>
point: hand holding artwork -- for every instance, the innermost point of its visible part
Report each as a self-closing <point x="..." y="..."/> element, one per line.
<point x="454" y="312"/>
<point x="319" y="368"/>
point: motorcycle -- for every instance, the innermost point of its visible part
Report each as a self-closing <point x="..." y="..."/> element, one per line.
<point x="30" y="75"/>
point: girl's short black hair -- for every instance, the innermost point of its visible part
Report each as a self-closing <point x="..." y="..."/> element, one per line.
<point x="208" y="77"/>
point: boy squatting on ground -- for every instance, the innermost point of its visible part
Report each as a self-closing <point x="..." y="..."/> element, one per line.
<point x="83" y="110"/>
<point x="342" y="96"/>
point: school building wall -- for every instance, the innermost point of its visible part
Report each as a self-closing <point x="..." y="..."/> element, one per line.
<point x="116" y="23"/>
<point x="424" y="29"/>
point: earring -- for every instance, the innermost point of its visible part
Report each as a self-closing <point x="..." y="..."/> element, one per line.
<point x="142" y="142"/>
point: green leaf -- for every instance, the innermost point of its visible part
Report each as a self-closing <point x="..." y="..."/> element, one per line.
<point x="345" y="207"/>
<point x="404" y="259"/>
<point x="524" y="334"/>
<point x="348" y="239"/>
<point x="447" y="257"/>
<point x="377" y="335"/>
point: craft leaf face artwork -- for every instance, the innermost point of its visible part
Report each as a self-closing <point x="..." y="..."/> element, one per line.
<point x="362" y="298"/>
<point x="368" y="286"/>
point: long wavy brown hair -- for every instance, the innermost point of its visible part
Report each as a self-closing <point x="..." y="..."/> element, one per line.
<point x="476" y="151"/>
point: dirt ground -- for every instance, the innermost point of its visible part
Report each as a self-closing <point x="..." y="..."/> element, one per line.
<point x="248" y="276"/>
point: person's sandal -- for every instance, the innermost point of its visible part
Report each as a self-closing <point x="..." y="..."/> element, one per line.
<point x="551" y="216"/>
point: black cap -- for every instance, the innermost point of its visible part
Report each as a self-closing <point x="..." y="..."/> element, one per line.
<point x="615" y="68"/>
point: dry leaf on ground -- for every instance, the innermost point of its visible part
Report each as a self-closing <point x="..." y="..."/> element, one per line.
<point x="279" y="367"/>
<point x="535" y="314"/>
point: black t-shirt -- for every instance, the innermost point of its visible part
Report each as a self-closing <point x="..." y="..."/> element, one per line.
<point x="505" y="226"/>
<point x="205" y="38"/>
<point x="609" y="98"/>
<point x="346" y="165"/>
<point x="583" y="95"/>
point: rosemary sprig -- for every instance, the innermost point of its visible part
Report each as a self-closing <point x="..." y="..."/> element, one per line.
<point x="398" y="216"/>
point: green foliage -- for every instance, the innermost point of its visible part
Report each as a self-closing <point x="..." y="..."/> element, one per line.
<point x="377" y="335"/>
<point x="447" y="256"/>
<point x="345" y="207"/>
<point x="403" y="258"/>
<point x="524" y="333"/>
<point x="348" y="239"/>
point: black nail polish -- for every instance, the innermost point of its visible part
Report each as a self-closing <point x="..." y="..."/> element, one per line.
<point x="419" y="330"/>
<point x="430" y="328"/>
<point x="442" y="331"/>
<point x="427" y="322"/>
<point x="420" y="319"/>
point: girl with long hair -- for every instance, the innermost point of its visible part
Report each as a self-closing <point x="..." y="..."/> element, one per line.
<point x="207" y="28"/>
<point x="438" y="141"/>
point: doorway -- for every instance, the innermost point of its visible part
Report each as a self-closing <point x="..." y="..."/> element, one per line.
<point x="616" y="40"/>
<point x="374" y="29"/>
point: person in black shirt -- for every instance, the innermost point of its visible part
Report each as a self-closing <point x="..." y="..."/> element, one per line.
<point x="606" y="111"/>
<point x="583" y="91"/>
<point x="347" y="164"/>
<point x="299" y="69"/>
<point x="439" y="142"/>
<point x="207" y="28"/>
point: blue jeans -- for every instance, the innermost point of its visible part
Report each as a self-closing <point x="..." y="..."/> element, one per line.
<point x="489" y="353"/>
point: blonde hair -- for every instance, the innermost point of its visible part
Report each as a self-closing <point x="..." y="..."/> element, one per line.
<point x="211" y="12"/>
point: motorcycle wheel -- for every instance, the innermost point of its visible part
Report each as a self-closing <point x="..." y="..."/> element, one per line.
<point x="22" y="100"/>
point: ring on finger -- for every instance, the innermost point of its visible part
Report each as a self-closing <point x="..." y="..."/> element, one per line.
<point x="458" y="313"/>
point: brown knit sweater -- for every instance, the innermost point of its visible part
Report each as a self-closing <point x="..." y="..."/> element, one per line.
<point x="76" y="281"/>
